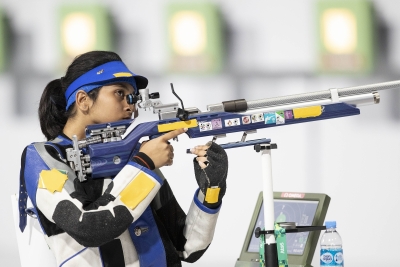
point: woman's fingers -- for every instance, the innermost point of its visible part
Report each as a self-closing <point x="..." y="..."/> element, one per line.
<point x="201" y="159"/>
<point x="160" y="151"/>
<point x="202" y="165"/>
<point x="203" y="162"/>
<point x="199" y="150"/>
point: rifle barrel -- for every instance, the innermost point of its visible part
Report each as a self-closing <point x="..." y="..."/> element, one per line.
<point x="321" y="95"/>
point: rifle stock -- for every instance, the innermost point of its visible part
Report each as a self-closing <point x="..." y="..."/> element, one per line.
<point x="108" y="147"/>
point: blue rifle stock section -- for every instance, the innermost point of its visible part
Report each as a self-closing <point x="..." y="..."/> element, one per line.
<point x="329" y="112"/>
<point x="103" y="155"/>
<point x="246" y="143"/>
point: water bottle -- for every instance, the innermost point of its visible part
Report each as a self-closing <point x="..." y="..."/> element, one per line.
<point x="331" y="247"/>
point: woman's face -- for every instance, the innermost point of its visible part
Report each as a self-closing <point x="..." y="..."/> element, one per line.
<point x="111" y="104"/>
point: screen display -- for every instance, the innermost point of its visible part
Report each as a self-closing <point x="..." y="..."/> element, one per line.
<point x="301" y="212"/>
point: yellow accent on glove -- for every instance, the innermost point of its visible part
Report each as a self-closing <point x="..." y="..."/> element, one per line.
<point x="212" y="195"/>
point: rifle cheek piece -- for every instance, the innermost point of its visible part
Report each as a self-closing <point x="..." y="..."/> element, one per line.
<point x="238" y="105"/>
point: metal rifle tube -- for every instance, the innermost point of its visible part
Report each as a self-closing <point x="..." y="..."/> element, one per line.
<point x="356" y="100"/>
<point x="304" y="99"/>
<point x="321" y="95"/>
<point x="355" y="90"/>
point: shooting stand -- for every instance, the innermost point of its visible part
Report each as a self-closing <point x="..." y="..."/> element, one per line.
<point x="270" y="246"/>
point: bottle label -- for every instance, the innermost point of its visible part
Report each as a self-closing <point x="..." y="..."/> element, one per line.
<point x="332" y="257"/>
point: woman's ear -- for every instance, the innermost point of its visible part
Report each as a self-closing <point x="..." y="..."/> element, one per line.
<point x="82" y="101"/>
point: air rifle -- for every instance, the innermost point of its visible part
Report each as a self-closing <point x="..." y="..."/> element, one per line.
<point x="108" y="147"/>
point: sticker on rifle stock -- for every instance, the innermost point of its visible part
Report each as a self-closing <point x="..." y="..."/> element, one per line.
<point x="307" y="112"/>
<point x="177" y="125"/>
<point x="288" y="114"/>
<point x="246" y="120"/>
<point x="205" y="126"/>
<point x="232" y="122"/>
<point x="216" y="124"/>
<point x="269" y="118"/>
<point x="259" y="117"/>
<point x="280" y="117"/>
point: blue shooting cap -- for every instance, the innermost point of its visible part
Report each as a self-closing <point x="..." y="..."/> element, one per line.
<point x="108" y="73"/>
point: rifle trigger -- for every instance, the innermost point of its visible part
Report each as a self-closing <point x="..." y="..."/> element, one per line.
<point x="246" y="133"/>
<point x="216" y="136"/>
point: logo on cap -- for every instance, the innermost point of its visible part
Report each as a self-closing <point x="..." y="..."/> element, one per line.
<point x="122" y="74"/>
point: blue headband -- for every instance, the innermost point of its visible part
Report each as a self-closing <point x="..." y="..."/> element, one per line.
<point x="110" y="72"/>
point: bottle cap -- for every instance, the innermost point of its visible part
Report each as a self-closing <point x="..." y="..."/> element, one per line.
<point x="330" y="224"/>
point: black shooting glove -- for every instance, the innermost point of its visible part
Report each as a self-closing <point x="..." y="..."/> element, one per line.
<point x="212" y="179"/>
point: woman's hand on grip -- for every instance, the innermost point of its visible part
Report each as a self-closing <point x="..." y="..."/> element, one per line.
<point x="159" y="149"/>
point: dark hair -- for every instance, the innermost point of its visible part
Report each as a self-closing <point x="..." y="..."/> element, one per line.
<point x="52" y="113"/>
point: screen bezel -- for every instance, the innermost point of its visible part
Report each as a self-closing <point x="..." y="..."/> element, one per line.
<point x="312" y="241"/>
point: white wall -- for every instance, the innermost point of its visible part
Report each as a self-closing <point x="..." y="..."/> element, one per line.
<point x="354" y="160"/>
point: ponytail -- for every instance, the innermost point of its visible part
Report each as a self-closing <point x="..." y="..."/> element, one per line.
<point x="52" y="114"/>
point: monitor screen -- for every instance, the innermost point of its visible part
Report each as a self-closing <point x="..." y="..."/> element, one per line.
<point x="299" y="211"/>
<point x="304" y="209"/>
